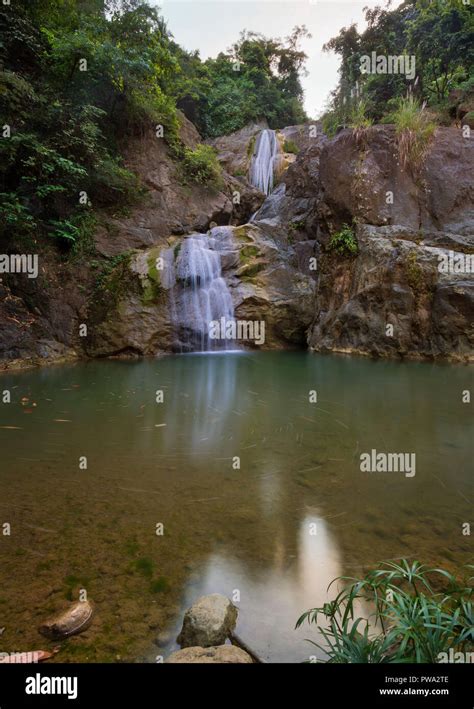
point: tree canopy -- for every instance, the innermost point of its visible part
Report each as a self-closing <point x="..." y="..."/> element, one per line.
<point x="437" y="33"/>
<point x="79" y="76"/>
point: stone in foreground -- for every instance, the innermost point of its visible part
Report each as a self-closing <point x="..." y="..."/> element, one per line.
<point x="72" y="621"/>
<point x="221" y="654"/>
<point x="208" y="622"/>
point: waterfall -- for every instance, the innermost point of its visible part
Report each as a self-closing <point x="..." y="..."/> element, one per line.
<point x="264" y="161"/>
<point x="203" y="295"/>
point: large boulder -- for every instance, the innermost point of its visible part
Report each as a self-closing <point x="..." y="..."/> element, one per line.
<point x="271" y="286"/>
<point x="208" y="622"/>
<point x="335" y="181"/>
<point x="395" y="280"/>
<point x="367" y="182"/>
<point x="227" y="654"/>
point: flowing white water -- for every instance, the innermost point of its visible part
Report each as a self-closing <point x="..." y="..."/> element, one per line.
<point x="204" y="296"/>
<point x="264" y="161"/>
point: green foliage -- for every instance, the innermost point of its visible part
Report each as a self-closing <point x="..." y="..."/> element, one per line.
<point x="437" y="33"/>
<point x="67" y="123"/>
<point x="201" y="166"/>
<point x="15" y="216"/>
<point x="68" y="119"/>
<point x="289" y="146"/>
<point x="408" y="622"/>
<point x="414" y="128"/>
<point x="257" y="78"/>
<point x="359" y="121"/>
<point x="344" y="242"/>
<point x="332" y="120"/>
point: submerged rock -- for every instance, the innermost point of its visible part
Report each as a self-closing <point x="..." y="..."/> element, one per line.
<point x="208" y="622"/>
<point x="221" y="654"/>
<point x="72" y="621"/>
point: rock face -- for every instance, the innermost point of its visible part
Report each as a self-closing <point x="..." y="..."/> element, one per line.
<point x="172" y="207"/>
<point x="38" y="316"/>
<point x="223" y="654"/>
<point x="208" y="622"/>
<point x="394" y="283"/>
<point x="269" y="287"/>
<point x="281" y="270"/>
<point x="234" y="151"/>
<point x="135" y="313"/>
<point x="408" y="223"/>
<point x="131" y="314"/>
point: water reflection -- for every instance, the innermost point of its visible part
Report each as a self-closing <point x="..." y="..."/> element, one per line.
<point x="227" y="529"/>
<point x="203" y="400"/>
<point x="271" y="598"/>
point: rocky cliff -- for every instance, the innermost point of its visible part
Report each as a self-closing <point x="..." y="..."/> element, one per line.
<point x="409" y="289"/>
<point x="391" y="297"/>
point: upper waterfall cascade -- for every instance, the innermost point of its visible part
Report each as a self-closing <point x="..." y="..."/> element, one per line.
<point x="265" y="160"/>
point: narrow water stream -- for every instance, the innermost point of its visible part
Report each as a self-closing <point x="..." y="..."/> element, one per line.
<point x="267" y="151"/>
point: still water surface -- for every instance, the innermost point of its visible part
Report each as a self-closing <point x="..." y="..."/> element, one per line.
<point x="247" y="533"/>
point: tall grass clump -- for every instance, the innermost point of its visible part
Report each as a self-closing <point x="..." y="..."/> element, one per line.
<point x="359" y="121"/>
<point x="414" y="128"/>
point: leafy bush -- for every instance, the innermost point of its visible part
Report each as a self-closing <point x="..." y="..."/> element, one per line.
<point x="201" y="165"/>
<point x="14" y="216"/>
<point x="289" y="146"/>
<point x="409" y="622"/>
<point x="344" y="242"/>
<point x="414" y="128"/>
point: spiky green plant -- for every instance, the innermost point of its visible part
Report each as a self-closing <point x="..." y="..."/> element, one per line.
<point x="409" y="621"/>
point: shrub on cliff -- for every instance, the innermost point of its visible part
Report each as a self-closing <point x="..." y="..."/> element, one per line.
<point x="201" y="166"/>
<point x="344" y="242"/>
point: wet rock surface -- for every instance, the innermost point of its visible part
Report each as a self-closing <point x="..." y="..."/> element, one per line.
<point x="222" y="654"/>
<point x="208" y="622"/>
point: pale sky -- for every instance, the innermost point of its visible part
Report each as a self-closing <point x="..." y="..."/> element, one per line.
<point x="211" y="26"/>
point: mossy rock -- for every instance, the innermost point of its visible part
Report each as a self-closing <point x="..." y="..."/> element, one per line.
<point x="249" y="252"/>
<point x="249" y="271"/>
<point x="468" y="119"/>
<point x="251" y="146"/>
<point x="240" y="233"/>
<point x="151" y="284"/>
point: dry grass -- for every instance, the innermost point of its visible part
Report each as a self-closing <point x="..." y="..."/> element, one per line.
<point x="414" y="128"/>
